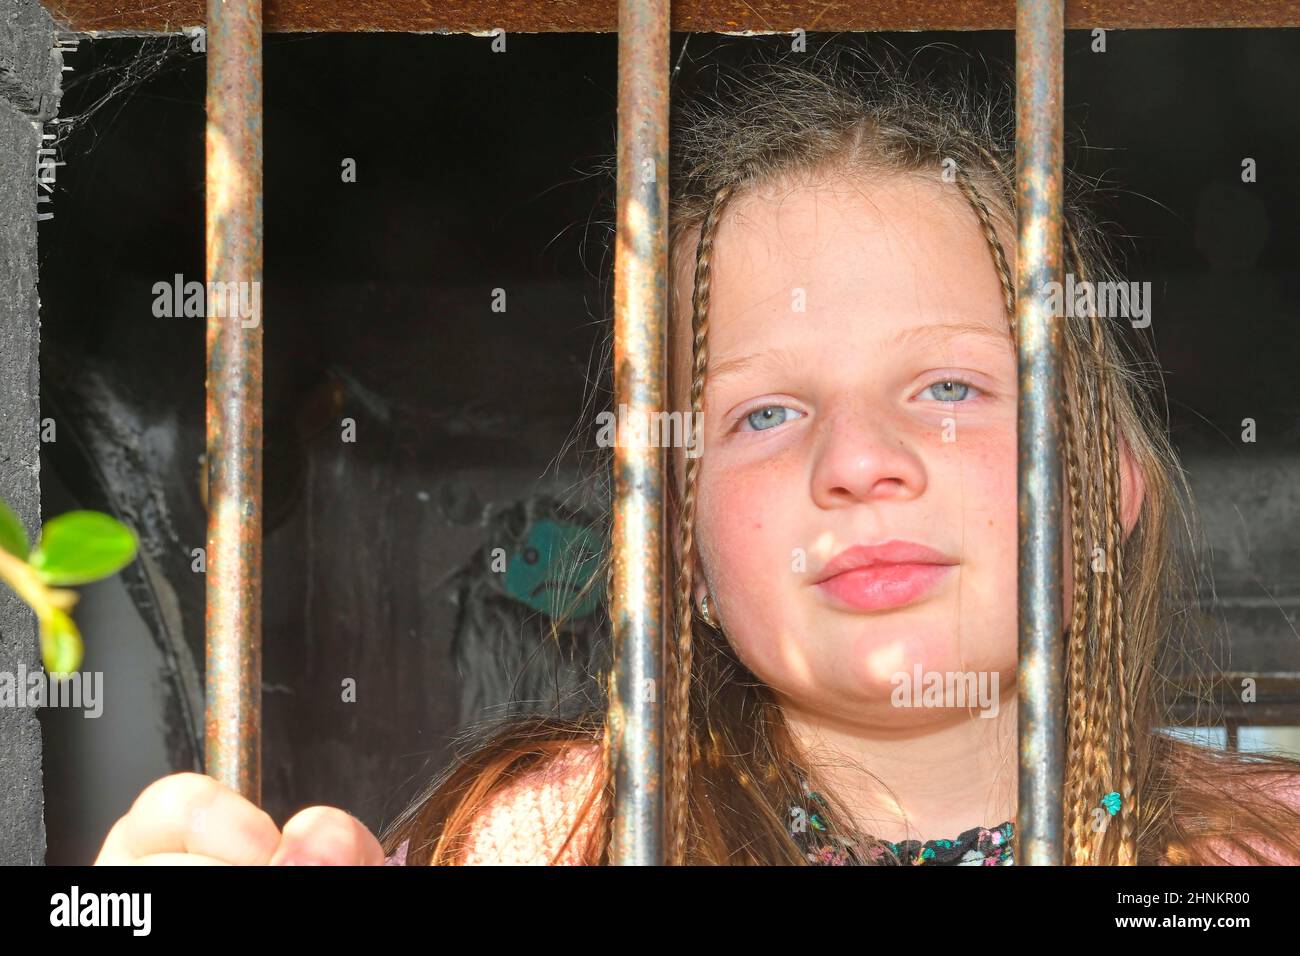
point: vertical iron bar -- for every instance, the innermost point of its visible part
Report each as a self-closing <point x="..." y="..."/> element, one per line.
<point x="234" y="396"/>
<point x="640" y="299"/>
<point x="1040" y="37"/>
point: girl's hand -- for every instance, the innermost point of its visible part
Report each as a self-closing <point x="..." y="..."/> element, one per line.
<point x="191" y="819"/>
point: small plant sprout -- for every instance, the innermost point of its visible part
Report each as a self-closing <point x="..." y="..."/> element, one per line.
<point x="75" y="548"/>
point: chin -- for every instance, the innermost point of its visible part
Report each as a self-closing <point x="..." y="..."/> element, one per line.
<point x="878" y="649"/>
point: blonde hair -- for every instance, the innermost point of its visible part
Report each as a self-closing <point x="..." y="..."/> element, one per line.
<point x="732" y="766"/>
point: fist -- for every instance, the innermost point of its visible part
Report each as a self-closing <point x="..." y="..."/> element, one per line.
<point x="191" y="819"/>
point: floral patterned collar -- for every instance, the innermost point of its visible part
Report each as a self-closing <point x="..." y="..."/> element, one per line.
<point x="978" y="846"/>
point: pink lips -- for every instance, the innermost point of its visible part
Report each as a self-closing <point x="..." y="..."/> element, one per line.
<point x="887" y="575"/>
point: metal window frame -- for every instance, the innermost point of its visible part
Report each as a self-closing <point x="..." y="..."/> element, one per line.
<point x="234" y="383"/>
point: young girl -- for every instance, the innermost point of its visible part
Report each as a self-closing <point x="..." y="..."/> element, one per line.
<point x="842" y="258"/>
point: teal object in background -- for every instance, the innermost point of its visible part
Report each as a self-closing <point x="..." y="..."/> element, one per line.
<point x="553" y="565"/>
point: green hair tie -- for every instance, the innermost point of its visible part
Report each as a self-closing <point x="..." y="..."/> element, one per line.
<point x="1112" y="803"/>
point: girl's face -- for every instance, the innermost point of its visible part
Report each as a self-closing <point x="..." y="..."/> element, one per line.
<point x="861" y="389"/>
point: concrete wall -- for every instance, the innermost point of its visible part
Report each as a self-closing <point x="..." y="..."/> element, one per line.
<point x="30" y="72"/>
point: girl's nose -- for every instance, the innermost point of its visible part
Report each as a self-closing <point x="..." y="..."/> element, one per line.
<point x="862" y="458"/>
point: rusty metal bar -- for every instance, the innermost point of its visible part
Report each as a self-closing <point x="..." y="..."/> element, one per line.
<point x="640" y="303"/>
<point x="234" y="395"/>
<point x="722" y="16"/>
<point x="1040" y="53"/>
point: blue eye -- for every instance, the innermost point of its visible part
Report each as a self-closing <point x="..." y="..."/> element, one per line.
<point x="769" y="416"/>
<point x="950" y="390"/>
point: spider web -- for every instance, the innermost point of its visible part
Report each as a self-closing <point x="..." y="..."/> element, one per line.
<point x="105" y="73"/>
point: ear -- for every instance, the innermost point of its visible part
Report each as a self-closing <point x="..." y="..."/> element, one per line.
<point x="1132" y="488"/>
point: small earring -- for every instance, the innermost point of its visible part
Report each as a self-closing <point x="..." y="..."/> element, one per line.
<point x="705" y="612"/>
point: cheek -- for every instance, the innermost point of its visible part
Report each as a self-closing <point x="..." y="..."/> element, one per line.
<point x="745" y="537"/>
<point x="978" y="483"/>
<point x="747" y="512"/>
<point x="733" y="530"/>
<point x="982" y="497"/>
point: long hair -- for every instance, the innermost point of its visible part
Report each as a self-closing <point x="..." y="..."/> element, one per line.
<point x="1133" y="642"/>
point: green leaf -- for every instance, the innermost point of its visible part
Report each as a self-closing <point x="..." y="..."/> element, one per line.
<point x="61" y="647"/>
<point x="13" y="537"/>
<point x="82" y="546"/>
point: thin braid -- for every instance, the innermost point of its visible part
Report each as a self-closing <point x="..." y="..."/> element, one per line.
<point x="1005" y="182"/>
<point x="1102" y="717"/>
<point x="1127" y="849"/>
<point x="1093" y="775"/>
<point x="991" y="236"/>
<point x="1076" y="804"/>
<point x="679" y="713"/>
